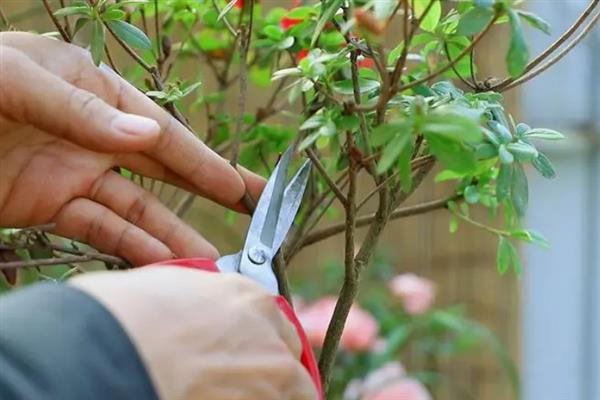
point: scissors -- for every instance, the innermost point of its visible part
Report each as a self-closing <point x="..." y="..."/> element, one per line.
<point x="271" y="221"/>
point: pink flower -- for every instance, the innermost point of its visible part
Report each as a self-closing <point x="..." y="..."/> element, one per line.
<point x="403" y="389"/>
<point x="360" y="331"/>
<point x="417" y="294"/>
<point x="383" y="376"/>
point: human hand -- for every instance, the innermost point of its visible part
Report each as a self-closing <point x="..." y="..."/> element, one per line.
<point x="64" y="124"/>
<point x="203" y="335"/>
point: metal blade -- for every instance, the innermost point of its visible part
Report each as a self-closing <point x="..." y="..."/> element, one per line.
<point x="274" y="199"/>
<point x="291" y="200"/>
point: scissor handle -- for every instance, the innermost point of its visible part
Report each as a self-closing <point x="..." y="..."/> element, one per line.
<point x="307" y="358"/>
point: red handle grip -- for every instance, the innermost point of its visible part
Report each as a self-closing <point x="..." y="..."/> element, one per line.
<point x="307" y="357"/>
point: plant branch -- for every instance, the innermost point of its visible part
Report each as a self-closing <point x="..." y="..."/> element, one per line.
<point x="365" y="220"/>
<point x="450" y="64"/>
<point x="559" y="42"/>
<point x="350" y="285"/>
<point x="334" y="188"/>
<point x="532" y="74"/>
<point x="462" y="79"/>
<point x="44" y="262"/>
<point x="245" y="36"/>
<point x="57" y="24"/>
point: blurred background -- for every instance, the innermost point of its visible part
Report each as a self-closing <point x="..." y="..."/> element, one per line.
<point x="549" y="321"/>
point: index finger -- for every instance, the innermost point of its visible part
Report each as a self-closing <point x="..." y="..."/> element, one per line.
<point x="182" y="152"/>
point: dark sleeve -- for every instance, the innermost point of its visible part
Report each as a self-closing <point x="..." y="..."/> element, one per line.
<point x="58" y="343"/>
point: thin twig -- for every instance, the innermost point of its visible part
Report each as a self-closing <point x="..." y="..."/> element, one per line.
<point x="5" y="20"/>
<point x="246" y="34"/>
<point x="130" y="51"/>
<point x="111" y="61"/>
<point x="369" y="218"/>
<point x="57" y="24"/>
<point x="66" y="20"/>
<point x="463" y="80"/>
<point x="449" y="65"/>
<point x="44" y="262"/>
<point x="559" y="42"/>
<point x="159" y="55"/>
<point x="323" y="172"/>
<point x="556" y="58"/>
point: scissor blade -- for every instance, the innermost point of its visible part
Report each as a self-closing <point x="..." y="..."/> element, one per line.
<point x="291" y="203"/>
<point x="272" y="200"/>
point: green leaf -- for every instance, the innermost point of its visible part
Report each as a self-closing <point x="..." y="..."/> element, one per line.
<point x="484" y="3"/>
<point x="405" y="167"/>
<point x="501" y="131"/>
<point x="485" y="151"/>
<point x="74" y="10"/>
<point x="386" y="132"/>
<point x="308" y="141"/>
<point x="453" y="155"/>
<point x="261" y="77"/>
<point x="286" y="43"/>
<point x="157" y="94"/>
<point x="453" y="126"/>
<point x="474" y="20"/>
<point x="189" y="89"/>
<point x="448" y="175"/>
<point x="522" y="151"/>
<point x="518" y="53"/>
<point x="504" y="181"/>
<point x="282" y="73"/>
<point x="506" y="156"/>
<point x="453" y="225"/>
<point x="531" y="236"/>
<point x="329" y="9"/>
<point x="544" y="166"/>
<point x="226" y="9"/>
<point x="504" y="255"/>
<point x="346" y="87"/>
<point x="519" y="190"/>
<point x="543" y="133"/>
<point x="97" y="41"/>
<point x="273" y="32"/>
<point x="114" y="14"/>
<point x="392" y="151"/>
<point x="81" y="22"/>
<point x="313" y="122"/>
<point x="432" y="18"/>
<point x="536" y="21"/>
<point x="130" y="34"/>
<point x="471" y="194"/>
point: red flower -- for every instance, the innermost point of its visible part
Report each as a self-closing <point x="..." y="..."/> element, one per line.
<point x="239" y="4"/>
<point x="287" y="22"/>
<point x="366" y="63"/>
<point x="301" y="54"/>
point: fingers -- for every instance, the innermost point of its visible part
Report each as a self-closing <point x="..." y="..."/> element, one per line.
<point x="32" y="95"/>
<point x="140" y="208"/>
<point x="179" y="150"/>
<point x="89" y="222"/>
<point x="142" y="164"/>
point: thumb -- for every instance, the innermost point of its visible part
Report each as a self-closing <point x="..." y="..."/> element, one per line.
<point x="31" y="95"/>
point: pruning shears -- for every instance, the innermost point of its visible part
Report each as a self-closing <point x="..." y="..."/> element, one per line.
<point x="271" y="221"/>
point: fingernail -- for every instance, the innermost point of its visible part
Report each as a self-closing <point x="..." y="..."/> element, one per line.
<point x="131" y="124"/>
